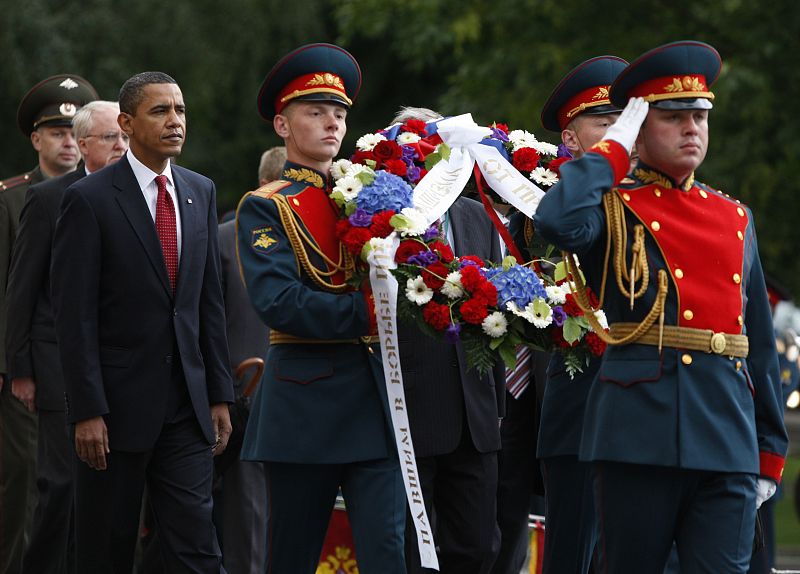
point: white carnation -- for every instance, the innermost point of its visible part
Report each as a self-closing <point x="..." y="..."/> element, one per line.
<point x="495" y="324"/>
<point x="349" y="187"/>
<point x="417" y="292"/>
<point x="520" y="139"/>
<point x="556" y="294"/>
<point x="356" y="168"/>
<point x="601" y="318"/>
<point x="412" y="222"/>
<point x="339" y="168"/>
<point x="407" y="138"/>
<point x="368" y="142"/>
<point x="545" y="148"/>
<point x="452" y="287"/>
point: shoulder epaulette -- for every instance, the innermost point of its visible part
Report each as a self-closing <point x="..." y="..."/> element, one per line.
<point x="15" y="181"/>
<point x="268" y="190"/>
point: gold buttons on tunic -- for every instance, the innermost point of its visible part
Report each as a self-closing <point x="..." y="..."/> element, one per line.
<point x="626" y="197"/>
<point x="655" y="226"/>
<point x="703" y="194"/>
<point x="738" y="365"/>
<point x="679" y="273"/>
<point x="686" y="358"/>
<point x="657" y="192"/>
<point x="737" y="278"/>
<point x="295" y="201"/>
<point x="740" y="211"/>
<point x="688" y="315"/>
<point x="740" y="235"/>
<point x="740" y="320"/>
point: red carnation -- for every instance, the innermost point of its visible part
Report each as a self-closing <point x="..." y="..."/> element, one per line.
<point x="501" y="127"/>
<point x="414" y="126"/>
<point x="434" y="275"/>
<point x="474" y="311"/>
<point x="396" y="166"/>
<point x="474" y="258"/>
<point x="436" y="315"/>
<point x="362" y="157"/>
<point x="471" y="278"/>
<point x="442" y="250"/>
<point x="526" y="159"/>
<point x="408" y="248"/>
<point x="596" y="345"/>
<point x="555" y="165"/>
<point x="355" y="239"/>
<point x="433" y="140"/>
<point x="486" y="292"/>
<point x="387" y="149"/>
<point x="571" y="307"/>
<point x="342" y="227"/>
<point x="380" y="224"/>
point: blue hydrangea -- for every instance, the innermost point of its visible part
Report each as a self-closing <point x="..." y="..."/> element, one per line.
<point x="519" y="284"/>
<point x="386" y="192"/>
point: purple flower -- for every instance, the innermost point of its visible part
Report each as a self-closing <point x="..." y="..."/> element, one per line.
<point x="409" y="153"/>
<point x="464" y="262"/>
<point x="413" y="173"/>
<point x="499" y="134"/>
<point x="423" y="258"/>
<point x="563" y="151"/>
<point x="431" y="233"/>
<point x="360" y="218"/>
<point x="559" y="315"/>
<point x="451" y="334"/>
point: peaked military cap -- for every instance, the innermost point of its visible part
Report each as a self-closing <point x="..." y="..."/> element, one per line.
<point x="675" y="76"/>
<point x="584" y="90"/>
<point x="53" y="102"/>
<point x="321" y="72"/>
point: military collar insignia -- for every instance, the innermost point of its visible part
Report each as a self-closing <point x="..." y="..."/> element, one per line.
<point x="297" y="172"/>
<point x="649" y="176"/>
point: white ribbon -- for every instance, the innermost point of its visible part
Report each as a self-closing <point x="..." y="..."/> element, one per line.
<point x="433" y="196"/>
<point x="384" y="291"/>
<point x="440" y="187"/>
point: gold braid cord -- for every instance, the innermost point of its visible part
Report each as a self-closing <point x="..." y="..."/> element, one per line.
<point x="300" y="240"/>
<point x="639" y="271"/>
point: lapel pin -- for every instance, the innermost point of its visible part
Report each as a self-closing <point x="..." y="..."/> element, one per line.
<point x="188" y="200"/>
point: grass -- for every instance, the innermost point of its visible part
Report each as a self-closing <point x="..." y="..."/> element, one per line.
<point x="787" y="524"/>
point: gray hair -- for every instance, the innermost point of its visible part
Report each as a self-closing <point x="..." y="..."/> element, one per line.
<point x="271" y="164"/>
<point x="410" y="113"/>
<point x="82" y="122"/>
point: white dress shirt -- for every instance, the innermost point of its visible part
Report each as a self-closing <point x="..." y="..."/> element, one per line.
<point x="147" y="183"/>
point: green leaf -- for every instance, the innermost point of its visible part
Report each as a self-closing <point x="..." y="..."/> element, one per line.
<point x="561" y="271"/>
<point x="494" y="343"/>
<point x="365" y="177"/>
<point x="431" y="160"/>
<point x="444" y="151"/>
<point x="508" y="262"/>
<point x="509" y="355"/>
<point x="350" y="208"/>
<point x="572" y="330"/>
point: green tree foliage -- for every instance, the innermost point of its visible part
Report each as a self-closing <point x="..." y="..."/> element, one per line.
<point x="498" y="60"/>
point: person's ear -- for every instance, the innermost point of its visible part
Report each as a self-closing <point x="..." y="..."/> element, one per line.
<point x="281" y="125"/>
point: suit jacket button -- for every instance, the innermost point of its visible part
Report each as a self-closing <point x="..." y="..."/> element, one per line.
<point x="168" y="359"/>
<point x="174" y="312"/>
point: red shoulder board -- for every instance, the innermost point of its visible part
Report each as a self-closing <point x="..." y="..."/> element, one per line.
<point x="15" y="181"/>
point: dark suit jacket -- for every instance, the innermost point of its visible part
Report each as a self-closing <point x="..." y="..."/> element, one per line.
<point x="30" y="311"/>
<point x="248" y="336"/>
<point x="440" y="391"/>
<point x="119" y="327"/>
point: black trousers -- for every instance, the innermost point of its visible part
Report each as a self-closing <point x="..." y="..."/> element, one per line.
<point x="178" y="473"/>
<point x="52" y="544"/>
<point x="460" y="491"/>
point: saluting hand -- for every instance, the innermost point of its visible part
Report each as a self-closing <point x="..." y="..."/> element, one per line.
<point x="91" y="442"/>
<point x="626" y="128"/>
<point x="221" y="419"/>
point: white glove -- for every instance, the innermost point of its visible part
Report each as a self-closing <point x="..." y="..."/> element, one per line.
<point x="626" y="128"/>
<point x="765" y="488"/>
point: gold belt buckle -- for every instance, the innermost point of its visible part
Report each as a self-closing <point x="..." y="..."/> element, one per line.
<point x="718" y="343"/>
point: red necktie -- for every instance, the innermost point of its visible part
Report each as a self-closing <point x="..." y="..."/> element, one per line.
<point x="167" y="230"/>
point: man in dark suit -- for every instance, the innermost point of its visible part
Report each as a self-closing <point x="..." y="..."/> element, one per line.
<point x="33" y="363"/>
<point x="45" y="118"/>
<point x="454" y="419"/>
<point x="244" y="484"/>
<point x="140" y="325"/>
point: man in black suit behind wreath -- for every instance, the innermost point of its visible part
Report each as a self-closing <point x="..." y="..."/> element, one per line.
<point x="141" y="333"/>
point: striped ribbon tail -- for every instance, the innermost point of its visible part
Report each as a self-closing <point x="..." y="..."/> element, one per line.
<point x="518" y="378"/>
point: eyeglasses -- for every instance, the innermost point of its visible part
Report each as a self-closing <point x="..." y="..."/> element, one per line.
<point x="110" y="137"/>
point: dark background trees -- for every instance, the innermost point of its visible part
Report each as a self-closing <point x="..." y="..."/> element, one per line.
<point x="496" y="59"/>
